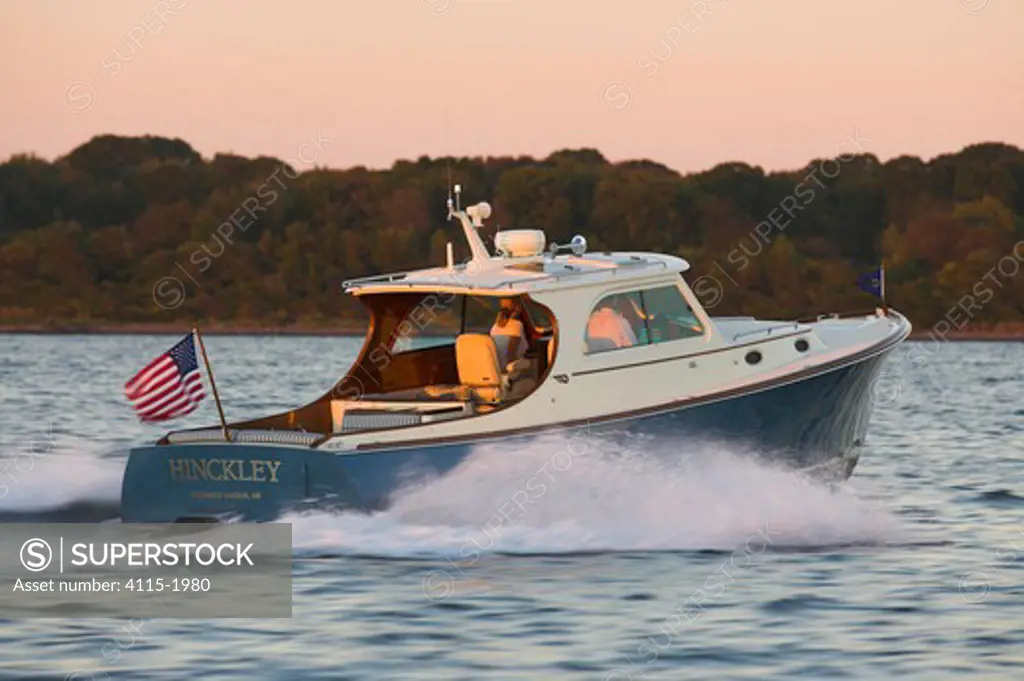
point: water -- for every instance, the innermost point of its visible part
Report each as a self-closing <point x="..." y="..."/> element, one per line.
<point x="669" y="560"/>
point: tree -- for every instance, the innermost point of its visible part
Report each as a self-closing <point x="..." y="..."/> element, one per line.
<point x="84" y="239"/>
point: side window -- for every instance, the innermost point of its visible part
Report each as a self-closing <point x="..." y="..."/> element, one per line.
<point x="617" y="321"/>
<point x="668" y="316"/>
<point x="481" y="311"/>
<point x="432" y="322"/>
<point x="539" y="317"/>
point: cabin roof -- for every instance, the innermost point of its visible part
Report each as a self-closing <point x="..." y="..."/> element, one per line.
<point x="508" y="276"/>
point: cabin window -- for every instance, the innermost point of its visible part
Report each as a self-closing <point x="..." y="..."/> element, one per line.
<point x="438" y="318"/>
<point x="669" y="317"/>
<point x="434" y="321"/>
<point x="480" y="313"/>
<point x="655" y="315"/>
<point x="540" y="319"/>
<point x="616" y="322"/>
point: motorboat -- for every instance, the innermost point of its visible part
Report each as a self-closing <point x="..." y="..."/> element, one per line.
<point x="613" y="344"/>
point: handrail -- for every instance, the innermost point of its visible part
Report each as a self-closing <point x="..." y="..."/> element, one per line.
<point x="767" y="330"/>
<point x="390" y="278"/>
<point x="839" y="315"/>
<point x="810" y="320"/>
<point x="509" y="283"/>
<point x="243" y="436"/>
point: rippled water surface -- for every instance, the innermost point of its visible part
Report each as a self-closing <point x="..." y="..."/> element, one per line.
<point x="671" y="560"/>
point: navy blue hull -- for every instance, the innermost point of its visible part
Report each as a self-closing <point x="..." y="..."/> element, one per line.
<point x="818" y="421"/>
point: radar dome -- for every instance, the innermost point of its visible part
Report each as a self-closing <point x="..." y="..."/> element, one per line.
<point x="520" y="243"/>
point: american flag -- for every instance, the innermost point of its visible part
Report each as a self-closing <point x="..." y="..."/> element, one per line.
<point x="170" y="386"/>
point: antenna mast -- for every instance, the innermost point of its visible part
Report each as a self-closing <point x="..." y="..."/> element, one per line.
<point x="448" y="164"/>
<point x="472" y="218"/>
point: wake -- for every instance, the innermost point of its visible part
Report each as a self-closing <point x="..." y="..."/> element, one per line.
<point x="67" y="481"/>
<point x="558" y="495"/>
<point x="561" y="496"/>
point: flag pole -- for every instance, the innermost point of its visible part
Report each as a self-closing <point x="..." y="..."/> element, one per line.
<point x="882" y="282"/>
<point x="213" y="384"/>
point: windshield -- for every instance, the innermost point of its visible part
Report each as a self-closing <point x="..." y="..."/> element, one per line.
<point x="438" y="318"/>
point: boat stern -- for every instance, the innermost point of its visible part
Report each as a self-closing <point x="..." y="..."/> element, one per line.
<point x="219" y="481"/>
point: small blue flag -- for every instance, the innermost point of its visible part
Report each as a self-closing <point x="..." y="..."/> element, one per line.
<point x="873" y="282"/>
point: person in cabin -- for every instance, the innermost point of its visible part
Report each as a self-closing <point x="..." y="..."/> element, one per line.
<point x="608" y="328"/>
<point x="508" y="333"/>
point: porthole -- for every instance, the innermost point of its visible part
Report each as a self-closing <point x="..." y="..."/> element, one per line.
<point x="801" y="345"/>
<point x="753" y="357"/>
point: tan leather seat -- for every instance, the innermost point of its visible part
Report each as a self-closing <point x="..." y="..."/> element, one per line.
<point x="480" y="377"/>
<point x="476" y="357"/>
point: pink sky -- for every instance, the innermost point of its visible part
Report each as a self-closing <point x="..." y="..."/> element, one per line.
<point x="688" y="84"/>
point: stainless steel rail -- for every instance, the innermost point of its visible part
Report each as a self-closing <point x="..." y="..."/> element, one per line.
<point x="767" y="330"/>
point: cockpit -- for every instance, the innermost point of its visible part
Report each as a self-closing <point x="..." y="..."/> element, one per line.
<point x="429" y="357"/>
<point x="440" y="355"/>
<point x="424" y="345"/>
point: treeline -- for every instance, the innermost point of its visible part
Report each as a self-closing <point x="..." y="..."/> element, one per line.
<point x="144" y="230"/>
